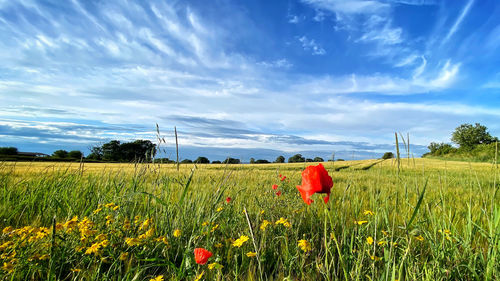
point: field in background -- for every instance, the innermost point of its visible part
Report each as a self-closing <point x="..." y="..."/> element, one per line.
<point x="431" y="220"/>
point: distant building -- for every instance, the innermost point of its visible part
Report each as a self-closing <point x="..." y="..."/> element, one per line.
<point x="33" y="154"/>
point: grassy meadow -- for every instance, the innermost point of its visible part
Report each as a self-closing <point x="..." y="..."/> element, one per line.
<point x="429" y="220"/>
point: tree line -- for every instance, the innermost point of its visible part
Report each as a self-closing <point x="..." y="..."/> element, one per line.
<point x="472" y="142"/>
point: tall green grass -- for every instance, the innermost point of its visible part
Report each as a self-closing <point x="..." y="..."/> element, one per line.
<point x="432" y="220"/>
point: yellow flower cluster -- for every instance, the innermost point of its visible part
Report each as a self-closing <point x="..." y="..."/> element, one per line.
<point x="264" y="224"/>
<point x="284" y="222"/>
<point x="304" y="245"/>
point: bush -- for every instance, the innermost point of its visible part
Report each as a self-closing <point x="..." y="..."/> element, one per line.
<point x="388" y="155"/>
<point x="8" y="151"/>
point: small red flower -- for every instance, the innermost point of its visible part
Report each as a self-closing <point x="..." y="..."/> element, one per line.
<point x="280" y="176"/>
<point x="283" y="178"/>
<point x="228" y="199"/>
<point x="275" y="186"/>
<point x="278" y="193"/>
<point x="315" y="179"/>
<point x="201" y="255"/>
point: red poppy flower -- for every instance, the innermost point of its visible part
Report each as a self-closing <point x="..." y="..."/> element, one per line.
<point x="228" y="199"/>
<point x="278" y="193"/>
<point x="315" y="179"/>
<point x="283" y="178"/>
<point x="201" y="255"/>
<point x="280" y="176"/>
<point x="275" y="186"/>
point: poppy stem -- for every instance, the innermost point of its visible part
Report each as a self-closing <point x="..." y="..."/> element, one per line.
<point x="254" y="243"/>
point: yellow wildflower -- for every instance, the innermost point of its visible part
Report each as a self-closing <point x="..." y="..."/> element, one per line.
<point x="215" y="265"/>
<point x="214" y="228"/>
<point x="6" y="245"/>
<point x="369" y="240"/>
<point x="126" y="224"/>
<point x="382" y="243"/>
<point x="304" y="245"/>
<point x="7" y="229"/>
<point x="368" y="213"/>
<point x="133" y="241"/>
<point x="157" y="278"/>
<point x="251" y="254"/>
<point x="97" y="211"/>
<point x="94" y="249"/>
<point x="375" y="258"/>
<point x="101" y="237"/>
<point x="110" y="205"/>
<point x="44" y="257"/>
<point x="115" y="208"/>
<point x="79" y="248"/>
<point x="264" y="224"/>
<point x="75" y="270"/>
<point x="145" y="224"/>
<point x="205" y="223"/>
<point x="137" y="219"/>
<point x="240" y="241"/>
<point x="419" y="238"/>
<point x="385" y="233"/>
<point x="8" y="266"/>
<point x="162" y="239"/>
<point x="124" y="256"/>
<point x="177" y="233"/>
<point x="109" y="220"/>
<point x="219" y="209"/>
<point x="198" y="278"/>
<point x="148" y="233"/>
<point x="71" y="224"/>
<point x="284" y="222"/>
<point x="262" y="212"/>
<point x="360" y="222"/>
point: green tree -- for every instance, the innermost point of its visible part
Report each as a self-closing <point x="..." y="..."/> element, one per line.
<point x="202" y="160"/>
<point x="95" y="153"/>
<point x="77" y="154"/>
<point x="296" y="159"/>
<point x="252" y="160"/>
<point x="468" y="136"/>
<point x="111" y="151"/>
<point x="280" y="159"/>
<point x="261" y="161"/>
<point x="8" y="151"/>
<point x="186" y="161"/>
<point x="318" y="159"/>
<point x="60" y="153"/>
<point x="230" y="160"/>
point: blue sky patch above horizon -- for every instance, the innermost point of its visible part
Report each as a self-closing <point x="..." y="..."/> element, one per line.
<point x="247" y="77"/>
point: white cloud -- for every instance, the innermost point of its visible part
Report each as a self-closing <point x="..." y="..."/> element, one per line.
<point x="349" y="6"/>
<point x="311" y="45"/>
<point x="280" y="63"/>
<point x="293" y="19"/>
<point x="459" y="20"/>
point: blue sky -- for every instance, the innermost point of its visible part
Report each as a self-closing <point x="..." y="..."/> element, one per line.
<point x="247" y="78"/>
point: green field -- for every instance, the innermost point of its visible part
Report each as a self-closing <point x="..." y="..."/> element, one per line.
<point x="429" y="220"/>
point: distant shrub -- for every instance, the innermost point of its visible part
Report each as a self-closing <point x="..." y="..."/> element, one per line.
<point x="8" y="151"/>
<point x="388" y="155"/>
